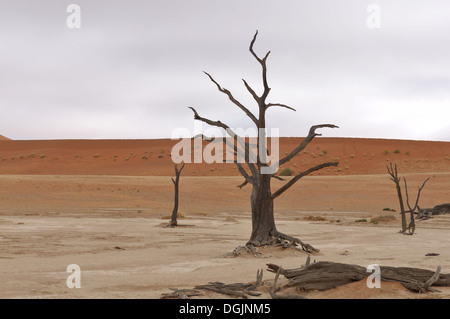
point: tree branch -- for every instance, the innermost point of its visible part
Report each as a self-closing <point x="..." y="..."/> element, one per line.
<point x="178" y="171"/>
<point x="243" y="184"/>
<point x="278" y="177"/>
<point x="203" y="137"/>
<point x="234" y="147"/>
<point x="264" y="69"/>
<point x="300" y="175"/>
<point x="241" y="170"/>
<point x="232" y="99"/>
<point x="392" y="170"/>
<point x="221" y="125"/>
<point x="252" y="92"/>
<point x="418" y="195"/>
<point x="281" y="105"/>
<point x="312" y="133"/>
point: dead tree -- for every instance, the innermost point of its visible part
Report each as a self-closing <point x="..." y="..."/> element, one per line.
<point x="392" y="170"/>
<point x="262" y="198"/>
<point x="176" y="182"/>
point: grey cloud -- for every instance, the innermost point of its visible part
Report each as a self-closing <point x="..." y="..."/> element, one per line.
<point x="135" y="66"/>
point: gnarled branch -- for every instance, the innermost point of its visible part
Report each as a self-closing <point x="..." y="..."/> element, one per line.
<point x="418" y="194"/>
<point x="285" y="187"/>
<point x="241" y="170"/>
<point x="232" y="99"/>
<point x="264" y="70"/>
<point x="231" y="133"/>
<point x="281" y="105"/>
<point x="312" y="133"/>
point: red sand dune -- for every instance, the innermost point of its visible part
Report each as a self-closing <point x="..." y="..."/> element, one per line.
<point x="4" y="138"/>
<point x="356" y="156"/>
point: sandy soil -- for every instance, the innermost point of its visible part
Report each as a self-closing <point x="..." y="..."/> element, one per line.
<point x="103" y="205"/>
<point x="112" y="227"/>
<point x="152" y="157"/>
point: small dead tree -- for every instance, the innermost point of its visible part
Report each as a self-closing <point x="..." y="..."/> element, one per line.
<point x="392" y="170"/>
<point x="264" y="231"/>
<point x="176" y="182"/>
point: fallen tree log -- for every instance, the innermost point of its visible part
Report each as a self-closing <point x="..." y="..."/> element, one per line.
<point x="326" y="275"/>
<point x="427" y="213"/>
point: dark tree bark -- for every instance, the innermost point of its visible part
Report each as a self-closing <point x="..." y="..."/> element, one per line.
<point x="392" y="170"/>
<point x="412" y="224"/>
<point x="176" y="182"/>
<point x="264" y="230"/>
<point x="325" y="275"/>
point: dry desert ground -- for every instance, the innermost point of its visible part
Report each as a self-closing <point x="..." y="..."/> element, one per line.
<point x="103" y="205"/>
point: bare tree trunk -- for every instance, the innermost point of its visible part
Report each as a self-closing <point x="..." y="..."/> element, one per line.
<point x="394" y="177"/>
<point x="263" y="221"/>
<point x="176" y="182"/>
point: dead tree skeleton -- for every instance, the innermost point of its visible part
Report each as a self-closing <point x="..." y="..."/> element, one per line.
<point x="392" y="170"/>
<point x="176" y="182"/>
<point x="264" y="230"/>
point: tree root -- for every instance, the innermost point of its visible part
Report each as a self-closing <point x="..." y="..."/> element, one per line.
<point x="248" y="248"/>
<point x="277" y="239"/>
<point x="288" y="241"/>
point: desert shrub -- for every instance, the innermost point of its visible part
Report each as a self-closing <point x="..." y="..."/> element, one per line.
<point x="286" y="172"/>
<point x="385" y="218"/>
<point x="315" y="218"/>
<point x="397" y="151"/>
<point x="362" y="220"/>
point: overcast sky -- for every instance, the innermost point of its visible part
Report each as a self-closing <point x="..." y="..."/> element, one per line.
<point x="134" y="67"/>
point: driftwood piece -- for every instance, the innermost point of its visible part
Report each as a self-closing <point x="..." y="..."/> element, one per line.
<point x="238" y="290"/>
<point x="181" y="294"/>
<point x="427" y="213"/>
<point x="326" y="275"/>
<point x="273" y="293"/>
